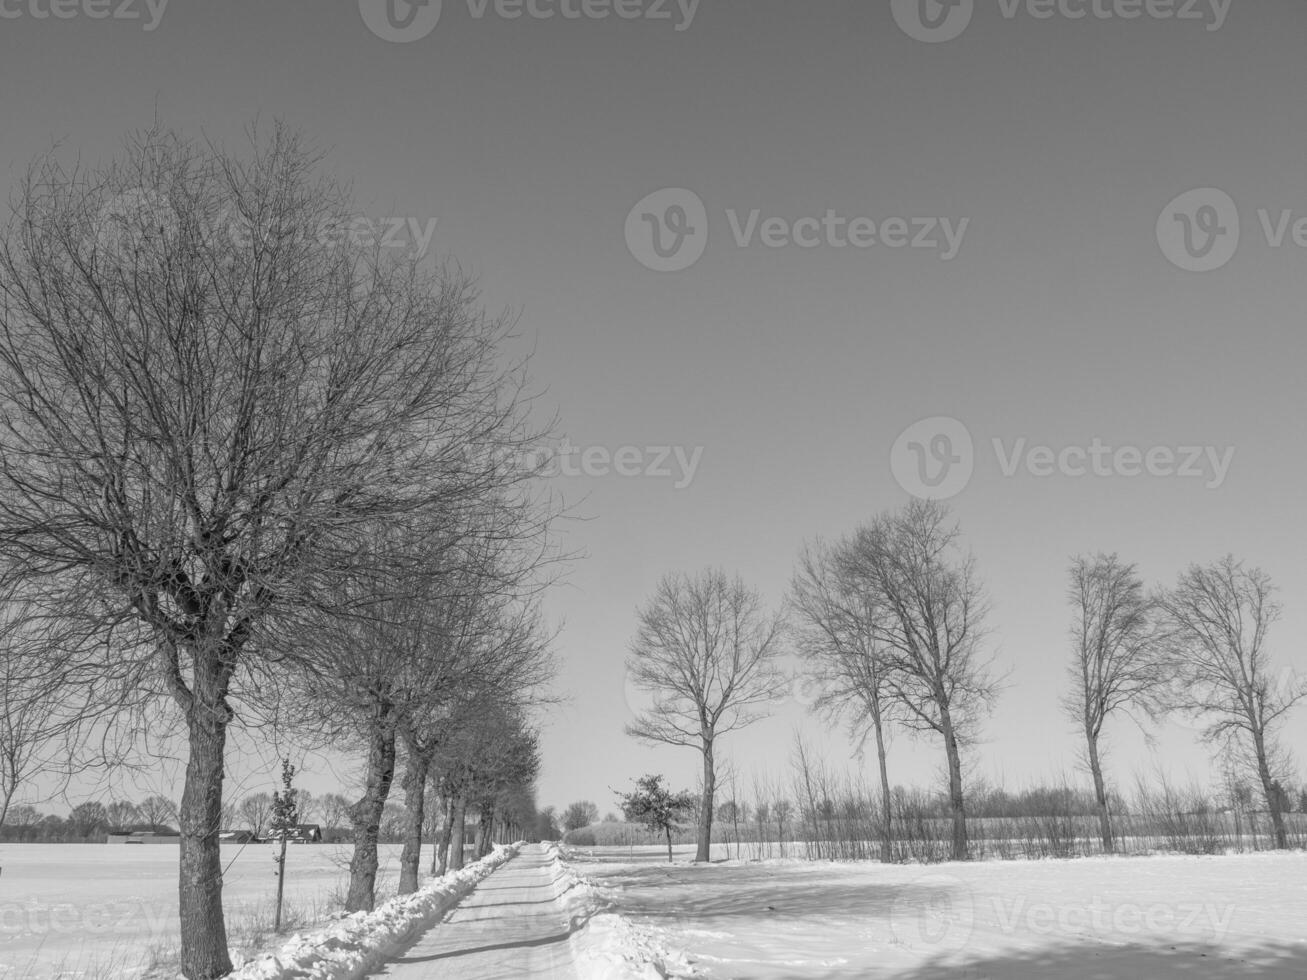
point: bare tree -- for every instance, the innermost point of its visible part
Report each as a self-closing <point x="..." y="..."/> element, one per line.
<point x="483" y="647"/>
<point x="931" y="631"/>
<point x="335" y="810"/>
<point x="493" y="752"/>
<point x="199" y="430"/>
<point x="122" y="813"/>
<point x="706" y="650"/>
<point x="506" y="759"/>
<point x="1217" y="620"/>
<point x="158" y="811"/>
<point x="306" y="806"/>
<point x="254" y="810"/>
<point x="1116" y="663"/>
<point x="46" y="704"/>
<point x="88" y="819"/>
<point x="580" y="814"/>
<point x="837" y="634"/>
<point x="410" y="672"/>
<point x="24" y="815"/>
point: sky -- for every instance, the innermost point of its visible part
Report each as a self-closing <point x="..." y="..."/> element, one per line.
<point x="881" y="246"/>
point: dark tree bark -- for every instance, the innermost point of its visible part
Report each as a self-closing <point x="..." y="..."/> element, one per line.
<point x="203" y="932"/>
<point x="886" y="806"/>
<point x="456" y="838"/>
<point x="956" y="799"/>
<point x="415" y="795"/>
<point x="1269" y="789"/>
<point x="485" y="825"/>
<point x="440" y="857"/>
<point x="703" y="849"/>
<point x="366" y="817"/>
<point x="1100" y="795"/>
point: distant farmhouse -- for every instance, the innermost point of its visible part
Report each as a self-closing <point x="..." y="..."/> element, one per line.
<point x="143" y="835"/>
<point x="305" y="833"/>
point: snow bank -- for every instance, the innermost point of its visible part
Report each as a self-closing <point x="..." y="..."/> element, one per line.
<point x="611" y="946"/>
<point x="356" y="944"/>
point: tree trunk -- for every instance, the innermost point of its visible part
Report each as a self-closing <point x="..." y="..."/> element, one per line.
<point x="457" y="834"/>
<point x="440" y="859"/>
<point x="366" y="815"/>
<point x="415" y="795"/>
<point x="484" y="831"/>
<point x="203" y="929"/>
<point x="281" y="883"/>
<point x="704" y="850"/>
<point x="1268" y="790"/>
<point x="956" y="801"/>
<point x="668" y="829"/>
<point x="886" y="807"/>
<point x="1100" y="795"/>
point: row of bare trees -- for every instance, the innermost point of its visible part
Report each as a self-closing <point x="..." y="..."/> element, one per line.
<point x="1198" y="648"/>
<point x="257" y="474"/>
<point x="889" y="621"/>
<point x="892" y="616"/>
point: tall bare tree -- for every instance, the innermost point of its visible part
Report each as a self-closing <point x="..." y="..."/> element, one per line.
<point x="47" y="707"/>
<point x="201" y="429"/>
<point x="1116" y="664"/>
<point x="158" y="811"/>
<point x="413" y="668"/>
<point x="494" y="751"/>
<point x="706" y="651"/>
<point x="494" y="660"/>
<point x="255" y="810"/>
<point x="580" y="814"/>
<point x="838" y="636"/>
<point x="307" y="806"/>
<point x="1217" y="619"/>
<point x="931" y="631"/>
<point x="335" y="810"/>
<point x="122" y="813"/>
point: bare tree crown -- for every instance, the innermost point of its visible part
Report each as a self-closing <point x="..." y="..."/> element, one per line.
<point x="705" y="650"/>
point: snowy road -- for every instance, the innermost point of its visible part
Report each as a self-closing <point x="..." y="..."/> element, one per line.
<point x="514" y="925"/>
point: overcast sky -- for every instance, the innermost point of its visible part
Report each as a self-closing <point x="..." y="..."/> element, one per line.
<point x="1038" y="288"/>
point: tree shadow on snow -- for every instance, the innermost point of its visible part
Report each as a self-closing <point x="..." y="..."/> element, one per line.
<point x="1102" y="961"/>
<point x="748" y="891"/>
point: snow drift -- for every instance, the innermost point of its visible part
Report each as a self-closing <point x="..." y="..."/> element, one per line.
<point x="611" y="946"/>
<point x="357" y="944"/>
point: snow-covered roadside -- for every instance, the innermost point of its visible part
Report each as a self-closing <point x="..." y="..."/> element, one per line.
<point x="611" y="946"/>
<point x="356" y="944"/>
<point x="1161" y="918"/>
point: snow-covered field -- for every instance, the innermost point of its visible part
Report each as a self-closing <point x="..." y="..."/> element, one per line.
<point x="97" y="911"/>
<point x="1156" y="918"/>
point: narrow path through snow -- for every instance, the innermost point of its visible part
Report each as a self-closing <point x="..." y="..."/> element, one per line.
<point x="514" y="925"/>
